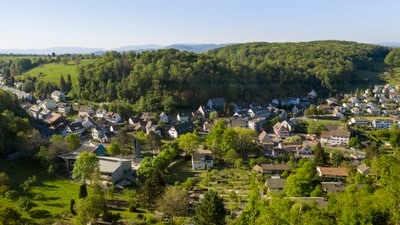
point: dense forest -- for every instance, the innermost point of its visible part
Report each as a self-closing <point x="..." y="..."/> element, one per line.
<point x="166" y="79"/>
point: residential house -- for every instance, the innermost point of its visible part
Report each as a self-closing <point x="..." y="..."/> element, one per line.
<point x="275" y="184"/>
<point x="100" y="113"/>
<point x="100" y="134"/>
<point x="49" y="104"/>
<point x="242" y="114"/>
<point x="363" y="169"/>
<point x="347" y="105"/>
<point x="56" y="123"/>
<point x="338" y="112"/>
<point x="181" y="128"/>
<point x="164" y="117"/>
<point x="114" y="128"/>
<point x="359" y="121"/>
<point x="259" y="111"/>
<point x="183" y="117"/>
<point x="58" y="96"/>
<point x="353" y="100"/>
<point x="333" y="187"/>
<point x="204" y="112"/>
<point x="295" y="110"/>
<point x="132" y="121"/>
<point x="113" y="117"/>
<point x="304" y="152"/>
<point x="75" y="128"/>
<point x="361" y="105"/>
<point x="151" y="126"/>
<point x="374" y="111"/>
<point x="372" y="105"/>
<point x="265" y="140"/>
<point x="290" y="147"/>
<point x="288" y="125"/>
<point x="389" y="105"/>
<point x="237" y="122"/>
<point x="88" y="122"/>
<point x="332" y="171"/>
<point x="381" y="123"/>
<point x="312" y="94"/>
<point x="271" y="168"/>
<point x="216" y="103"/>
<point x="35" y="111"/>
<point x="280" y="130"/>
<point x="202" y="159"/>
<point x="335" y="137"/>
<point x="332" y="101"/>
<point x="388" y="112"/>
<point x="85" y="111"/>
<point x="356" y="111"/>
<point x="63" y="107"/>
<point x="207" y="126"/>
<point x="18" y="85"/>
<point x="289" y="101"/>
<point x="146" y="116"/>
<point x="256" y="123"/>
<point x="378" y="89"/>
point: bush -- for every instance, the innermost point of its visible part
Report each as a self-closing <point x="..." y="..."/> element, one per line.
<point x="82" y="191"/>
<point x="25" y="204"/>
<point x="132" y="207"/>
<point x="11" y="194"/>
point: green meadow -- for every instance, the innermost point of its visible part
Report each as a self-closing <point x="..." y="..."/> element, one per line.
<point x="52" y="72"/>
<point x="50" y="195"/>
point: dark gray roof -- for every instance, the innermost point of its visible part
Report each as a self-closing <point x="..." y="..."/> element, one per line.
<point x="275" y="183"/>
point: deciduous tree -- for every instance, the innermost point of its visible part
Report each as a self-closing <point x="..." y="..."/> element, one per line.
<point x="189" y="142"/>
<point x="85" y="166"/>
<point x="174" y="203"/>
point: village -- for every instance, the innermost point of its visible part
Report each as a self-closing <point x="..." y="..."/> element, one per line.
<point x="372" y="109"/>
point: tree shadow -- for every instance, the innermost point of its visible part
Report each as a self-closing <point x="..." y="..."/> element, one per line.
<point x="55" y="204"/>
<point x="39" y="214"/>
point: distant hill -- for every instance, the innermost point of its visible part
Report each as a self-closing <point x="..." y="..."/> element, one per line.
<point x="390" y="44"/>
<point x="196" y="48"/>
<point x="48" y="51"/>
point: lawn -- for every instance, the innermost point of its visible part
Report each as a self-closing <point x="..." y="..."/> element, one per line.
<point x="52" y="72"/>
<point x="51" y="196"/>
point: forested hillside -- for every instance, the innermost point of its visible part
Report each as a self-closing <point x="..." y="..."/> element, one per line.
<point x="331" y="65"/>
<point x="166" y="79"/>
<point x="16" y="133"/>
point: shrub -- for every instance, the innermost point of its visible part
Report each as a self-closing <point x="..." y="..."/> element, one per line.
<point x="25" y="204"/>
<point x="11" y="194"/>
<point x="82" y="191"/>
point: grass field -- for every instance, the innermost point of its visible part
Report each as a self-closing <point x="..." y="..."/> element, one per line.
<point x="52" y="72"/>
<point x="392" y="78"/>
<point x="51" y="196"/>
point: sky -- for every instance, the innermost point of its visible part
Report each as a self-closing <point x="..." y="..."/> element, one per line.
<point x="107" y="24"/>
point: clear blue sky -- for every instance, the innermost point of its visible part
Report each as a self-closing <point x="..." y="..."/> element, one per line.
<point x="115" y="23"/>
